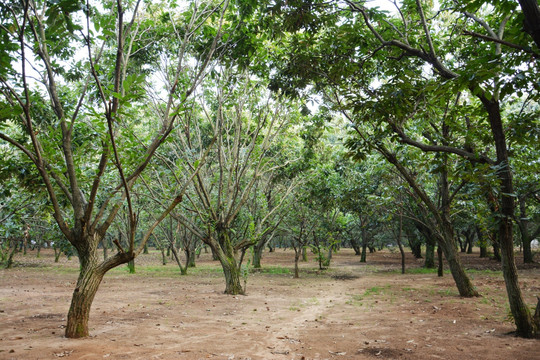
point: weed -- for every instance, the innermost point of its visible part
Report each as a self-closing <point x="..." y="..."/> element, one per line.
<point x="355" y="300"/>
<point x="376" y="290"/>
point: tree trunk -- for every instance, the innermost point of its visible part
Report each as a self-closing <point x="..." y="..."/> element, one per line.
<point x="131" y="266"/>
<point x="429" y="262"/>
<point x="12" y="250"/>
<point x="448" y="243"/>
<point x="470" y="240"/>
<point x="83" y="296"/>
<point x="496" y="249"/>
<point x="525" y="326"/>
<point x="364" y="241"/>
<point x="183" y="270"/>
<point x="297" y="253"/>
<point x="257" y="255"/>
<point x="163" y="256"/>
<point x="304" y="254"/>
<point x="90" y="277"/>
<point x="232" y="277"/>
<point x="463" y="283"/>
<point x="364" y="252"/>
<point x="105" y="250"/>
<point x="531" y="21"/>
<point x="190" y="257"/>
<point x="354" y="245"/>
<point x="440" y="268"/>
<point x="482" y="243"/>
<point x="462" y="244"/>
<point x="223" y="249"/>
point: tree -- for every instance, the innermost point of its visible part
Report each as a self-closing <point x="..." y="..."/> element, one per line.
<point x="231" y="137"/>
<point x="367" y="44"/>
<point x="76" y="119"/>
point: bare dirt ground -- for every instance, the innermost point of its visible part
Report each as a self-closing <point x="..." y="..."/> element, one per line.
<point x="351" y="311"/>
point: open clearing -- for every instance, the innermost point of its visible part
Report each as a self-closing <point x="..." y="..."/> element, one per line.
<point x="351" y="311"/>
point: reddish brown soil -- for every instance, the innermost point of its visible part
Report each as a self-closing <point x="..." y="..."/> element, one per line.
<point x="351" y="311"/>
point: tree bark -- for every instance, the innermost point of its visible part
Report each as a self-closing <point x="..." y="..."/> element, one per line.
<point x="440" y="267"/>
<point x="183" y="270"/>
<point x="429" y="262"/>
<point x="448" y="247"/>
<point x="525" y="326"/>
<point x="90" y="277"/>
<point x="531" y="21"/>
<point x="354" y="245"/>
<point x="297" y="254"/>
<point x="225" y="254"/>
<point x="83" y="296"/>
<point x="232" y="278"/>
<point x="304" y="254"/>
<point x="257" y="255"/>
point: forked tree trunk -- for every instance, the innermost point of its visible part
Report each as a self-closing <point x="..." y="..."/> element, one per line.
<point x="83" y="296"/>
<point x="90" y="277"/>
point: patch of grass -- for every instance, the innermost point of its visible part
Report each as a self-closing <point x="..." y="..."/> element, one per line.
<point x="355" y="300"/>
<point x="485" y="300"/>
<point x="312" y="301"/>
<point x="273" y="270"/>
<point x="376" y="290"/>
<point x="447" y="292"/>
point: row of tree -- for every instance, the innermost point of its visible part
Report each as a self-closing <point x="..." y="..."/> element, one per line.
<point x="236" y="123"/>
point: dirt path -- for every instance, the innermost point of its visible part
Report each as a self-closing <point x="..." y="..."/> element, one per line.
<point x="352" y="311"/>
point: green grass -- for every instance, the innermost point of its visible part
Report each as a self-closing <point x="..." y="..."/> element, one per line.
<point x="272" y="270"/>
<point x="355" y="300"/>
<point x="376" y="290"/>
